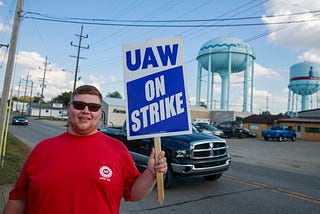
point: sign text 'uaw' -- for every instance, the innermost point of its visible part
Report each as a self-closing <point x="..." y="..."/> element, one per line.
<point x="155" y="88"/>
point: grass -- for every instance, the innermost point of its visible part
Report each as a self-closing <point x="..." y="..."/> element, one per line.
<point x="16" y="154"/>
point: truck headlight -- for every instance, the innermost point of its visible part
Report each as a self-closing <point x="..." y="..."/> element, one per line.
<point x="180" y="154"/>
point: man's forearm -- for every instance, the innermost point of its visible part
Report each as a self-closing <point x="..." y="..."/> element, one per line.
<point x="15" y="207"/>
<point x="143" y="185"/>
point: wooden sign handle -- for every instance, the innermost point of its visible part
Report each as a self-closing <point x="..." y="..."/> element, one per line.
<point x="160" y="187"/>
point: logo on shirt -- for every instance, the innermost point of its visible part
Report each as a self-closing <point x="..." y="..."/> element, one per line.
<point x="105" y="173"/>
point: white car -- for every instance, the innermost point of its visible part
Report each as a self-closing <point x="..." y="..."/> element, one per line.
<point x="209" y="129"/>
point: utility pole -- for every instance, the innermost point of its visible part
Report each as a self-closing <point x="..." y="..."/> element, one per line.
<point x="78" y="56"/>
<point x="25" y="92"/>
<point x="43" y="85"/>
<point x="8" y="74"/>
<point x="18" y="94"/>
<point x="30" y="98"/>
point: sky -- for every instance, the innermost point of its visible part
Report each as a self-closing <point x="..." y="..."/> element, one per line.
<point x="51" y="29"/>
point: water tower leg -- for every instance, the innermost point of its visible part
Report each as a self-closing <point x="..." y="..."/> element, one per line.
<point x="209" y="84"/>
<point x="289" y="101"/>
<point x="303" y="102"/>
<point x="224" y="89"/>
<point x="252" y="84"/>
<point x="292" y="102"/>
<point x="245" y="86"/>
<point x="228" y="78"/>
<point x="212" y="87"/>
<point x="198" y="84"/>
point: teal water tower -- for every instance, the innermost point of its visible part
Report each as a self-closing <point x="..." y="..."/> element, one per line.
<point x="304" y="82"/>
<point x="224" y="56"/>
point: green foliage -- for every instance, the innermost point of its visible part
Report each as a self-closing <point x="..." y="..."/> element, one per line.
<point x="63" y="98"/>
<point x="25" y="99"/>
<point x="266" y="113"/>
<point x="115" y="94"/>
<point x="203" y="104"/>
<point x="16" y="154"/>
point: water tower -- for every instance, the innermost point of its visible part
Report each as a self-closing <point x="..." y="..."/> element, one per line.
<point x="224" y="55"/>
<point x="304" y="81"/>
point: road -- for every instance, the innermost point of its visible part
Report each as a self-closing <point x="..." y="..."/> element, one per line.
<point x="264" y="177"/>
<point x="37" y="130"/>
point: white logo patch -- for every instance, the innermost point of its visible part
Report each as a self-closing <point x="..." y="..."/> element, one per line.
<point x="105" y="173"/>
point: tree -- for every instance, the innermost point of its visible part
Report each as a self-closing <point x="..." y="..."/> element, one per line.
<point x="266" y="113"/>
<point x="63" y="98"/>
<point x="115" y="94"/>
<point x="203" y="104"/>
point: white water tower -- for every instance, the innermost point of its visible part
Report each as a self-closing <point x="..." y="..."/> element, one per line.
<point x="224" y="55"/>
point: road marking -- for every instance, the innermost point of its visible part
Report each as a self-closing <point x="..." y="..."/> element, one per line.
<point x="292" y="194"/>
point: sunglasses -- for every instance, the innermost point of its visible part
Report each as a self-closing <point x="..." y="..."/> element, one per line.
<point x="79" y="105"/>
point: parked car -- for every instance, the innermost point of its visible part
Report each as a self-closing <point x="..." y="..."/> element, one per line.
<point x="248" y="133"/>
<point x="207" y="129"/>
<point x="19" y="120"/>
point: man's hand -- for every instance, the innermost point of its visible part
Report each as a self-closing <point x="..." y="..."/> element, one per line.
<point x="160" y="165"/>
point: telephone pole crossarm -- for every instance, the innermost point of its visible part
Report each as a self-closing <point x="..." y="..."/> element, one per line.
<point x="78" y="56"/>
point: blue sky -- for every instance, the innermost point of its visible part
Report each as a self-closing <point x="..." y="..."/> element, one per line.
<point x="275" y="52"/>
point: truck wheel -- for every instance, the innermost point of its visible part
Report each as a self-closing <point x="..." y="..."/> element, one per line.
<point x="266" y="138"/>
<point x="212" y="177"/>
<point x="168" y="178"/>
<point x="293" y="138"/>
<point x="280" y="138"/>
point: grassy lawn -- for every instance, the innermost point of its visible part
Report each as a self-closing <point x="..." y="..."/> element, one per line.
<point x="16" y="154"/>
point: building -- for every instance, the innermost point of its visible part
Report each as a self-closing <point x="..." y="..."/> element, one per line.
<point x="114" y="111"/>
<point x="306" y="124"/>
<point x="53" y="110"/>
<point x="256" y="123"/>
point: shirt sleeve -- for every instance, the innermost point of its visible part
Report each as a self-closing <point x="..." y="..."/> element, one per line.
<point x="19" y="191"/>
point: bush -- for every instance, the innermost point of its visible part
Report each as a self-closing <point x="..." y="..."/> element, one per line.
<point x="16" y="154"/>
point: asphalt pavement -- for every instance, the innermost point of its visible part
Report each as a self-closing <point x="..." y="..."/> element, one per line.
<point x="299" y="157"/>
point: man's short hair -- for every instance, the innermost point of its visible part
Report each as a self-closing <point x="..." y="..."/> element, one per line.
<point x="87" y="89"/>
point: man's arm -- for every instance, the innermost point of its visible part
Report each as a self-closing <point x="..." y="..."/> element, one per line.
<point x="146" y="181"/>
<point x="15" y="207"/>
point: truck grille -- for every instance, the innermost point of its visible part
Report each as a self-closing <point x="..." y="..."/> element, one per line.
<point x="202" y="150"/>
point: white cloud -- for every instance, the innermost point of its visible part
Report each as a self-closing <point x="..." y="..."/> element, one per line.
<point x="4" y="28"/>
<point x="56" y="81"/>
<point x="29" y="60"/>
<point x="312" y="55"/>
<point x="299" y="35"/>
<point x="260" y="71"/>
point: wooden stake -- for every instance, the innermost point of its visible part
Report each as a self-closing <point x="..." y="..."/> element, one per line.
<point x="160" y="187"/>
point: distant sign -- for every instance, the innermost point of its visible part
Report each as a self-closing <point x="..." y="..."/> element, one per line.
<point x="155" y="88"/>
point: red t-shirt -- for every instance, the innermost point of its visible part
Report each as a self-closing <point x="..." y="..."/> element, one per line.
<point x="76" y="174"/>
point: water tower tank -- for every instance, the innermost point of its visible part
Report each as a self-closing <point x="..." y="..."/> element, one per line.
<point x="219" y="49"/>
<point x="304" y="80"/>
<point x="224" y="55"/>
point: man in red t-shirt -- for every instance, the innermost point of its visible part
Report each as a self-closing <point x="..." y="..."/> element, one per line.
<point x="81" y="170"/>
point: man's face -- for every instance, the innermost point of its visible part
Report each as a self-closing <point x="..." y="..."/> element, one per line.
<point x="84" y="122"/>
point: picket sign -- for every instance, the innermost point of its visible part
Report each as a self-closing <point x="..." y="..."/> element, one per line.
<point x="156" y="96"/>
<point x="160" y="187"/>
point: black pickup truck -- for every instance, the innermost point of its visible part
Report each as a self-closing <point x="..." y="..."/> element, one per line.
<point x="187" y="155"/>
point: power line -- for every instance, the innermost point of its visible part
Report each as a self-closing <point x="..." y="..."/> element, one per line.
<point x="75" y="19"/>
<point x="176" y="26"/>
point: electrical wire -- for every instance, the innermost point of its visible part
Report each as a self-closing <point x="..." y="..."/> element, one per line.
<point x="115" y="21"/>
